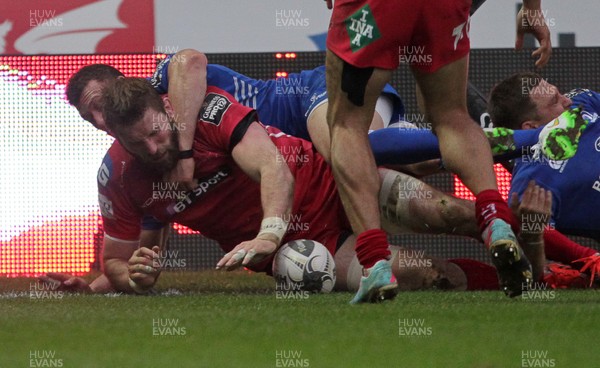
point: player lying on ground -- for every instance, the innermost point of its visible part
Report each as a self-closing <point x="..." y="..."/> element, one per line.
<point x="188" y="65"/>
<point x="574" y="183"/>
<point x="214" y="227"/>
<point x="187" y="71"/>
<point x="250" y="178"/>
<point x="84" y="89"/>
<point x="303" y="114"/>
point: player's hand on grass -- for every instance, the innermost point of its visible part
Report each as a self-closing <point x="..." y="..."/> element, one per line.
<point x="66" y="282"/>
<point x="143" y="268"/>
<point x="183" y="174"/>
<point x="532" y="21"/>
<point x="247" y="253"/>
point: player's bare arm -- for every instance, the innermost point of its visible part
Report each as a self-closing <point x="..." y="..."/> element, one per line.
<point x="260" y="159"/>
<point x="101" y="284"/>
<point x="187" y="88"/>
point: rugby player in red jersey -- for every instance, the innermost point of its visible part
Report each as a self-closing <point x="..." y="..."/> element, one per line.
<point x="253" y="183"/>
<point x="366" y="41"/>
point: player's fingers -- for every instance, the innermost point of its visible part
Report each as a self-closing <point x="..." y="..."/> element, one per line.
<point x="135" y="260"/>
<point x="49" y="280"/>
<point x="145" y="269"/>
<point x="236" y="258"/>
<point x="543" y="55"/>
<point x="526" y="198"/>
<point x="519" y="41"/>
<point x="548" y="201"/>
<point x="145" y="252"/>
<point x="58" y="276"/>
<point x="222" y="261"/>
<point x="228" y="258"/>
<point x="535" y="196"/>
<point x="250" y="257"/>
<point x="138" y="277"/>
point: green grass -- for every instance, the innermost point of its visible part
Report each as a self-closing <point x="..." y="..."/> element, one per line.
<point x="236" y="320"/>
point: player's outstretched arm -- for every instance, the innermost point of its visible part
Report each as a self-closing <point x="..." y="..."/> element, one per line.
<point x="101" y="284"/>
<point x="530" y="19"/>
<point x="129" y="268"/>
<point x="187" y="89"/>
<point x="259" y="158"/>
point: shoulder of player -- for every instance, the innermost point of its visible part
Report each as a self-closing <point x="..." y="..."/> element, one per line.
<point x="113" y="165"/>
<point x="581" y="93"/>
<point x="219" y="105"/>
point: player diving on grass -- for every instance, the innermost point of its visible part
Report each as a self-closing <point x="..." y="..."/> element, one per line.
<point x="85" y="88"/>
<point x="255" y="183"/>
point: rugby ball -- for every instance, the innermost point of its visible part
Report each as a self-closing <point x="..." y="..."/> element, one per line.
<point x="304" y="265"/>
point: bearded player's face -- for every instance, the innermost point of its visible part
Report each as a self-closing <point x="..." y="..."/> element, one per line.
<point x="152" y="140"/>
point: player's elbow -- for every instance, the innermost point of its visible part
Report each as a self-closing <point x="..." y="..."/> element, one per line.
<point x="191" y="60"/>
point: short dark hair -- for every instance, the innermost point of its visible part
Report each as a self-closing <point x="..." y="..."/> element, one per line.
<point x="509" y="104"/>
<point x="79" y="80"/>
<point x="125" y="100"/>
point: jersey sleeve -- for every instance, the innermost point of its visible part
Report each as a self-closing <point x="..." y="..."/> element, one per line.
<point x="589" y="99"/>
<point x="120" y="219"/>
<point x="160" y="78"/>
<point x="222" y="121"/>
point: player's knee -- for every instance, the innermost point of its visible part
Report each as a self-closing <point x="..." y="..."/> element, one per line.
<point x="397" y="192"/>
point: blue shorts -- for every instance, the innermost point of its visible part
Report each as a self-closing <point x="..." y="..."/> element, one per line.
<point x="307" y="90"/>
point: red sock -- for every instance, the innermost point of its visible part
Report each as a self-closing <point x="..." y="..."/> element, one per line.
<point x="561" y="249"/>
<point x="480" y="276"/>
<point x="371" y="247"/>
<point x="489" y="206"/>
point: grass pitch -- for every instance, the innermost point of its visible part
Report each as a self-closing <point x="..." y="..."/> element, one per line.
<point x="210" y="319"/>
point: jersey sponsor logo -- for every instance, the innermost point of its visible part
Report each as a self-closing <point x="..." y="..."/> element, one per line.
<point x="106" y="206"/>
<point x="596" y="185"/>
<point x="5" y="27"/>
<point x="577" y="91"/>
<point x="214" y="107"/>
<point x="597" y="144"/>
<point x="103" y="175"/>
<point x="105" y="171"/>
<point x="591" y="117"/>
<point x="156" y="79"/>
<point x="558" y="164"/>
<point x="204" y="185"/>
<point x="362" y="28"/>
